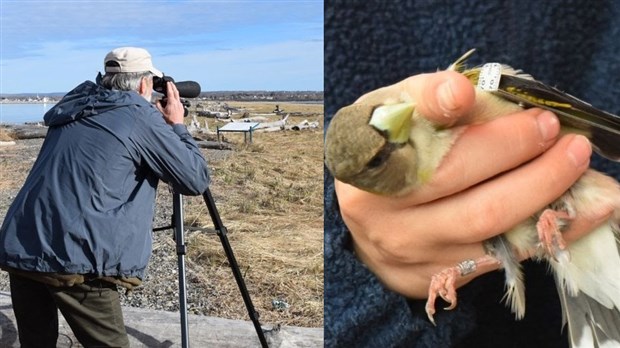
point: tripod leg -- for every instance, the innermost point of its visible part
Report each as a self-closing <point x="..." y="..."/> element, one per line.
<point x="222" y="233"/>
<point x="177" y="206"/>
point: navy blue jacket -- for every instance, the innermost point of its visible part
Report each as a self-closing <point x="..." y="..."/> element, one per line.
<point x="87" y="204"/>
<point x="572" y="44"/>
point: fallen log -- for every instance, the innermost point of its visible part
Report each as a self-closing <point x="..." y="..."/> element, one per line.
<point x="213" y="114"/>
<point x="269" y="129"/>
<point x="297" y="127"/>
<point x="208" y="144"/>
<point x="266" y="114"/>
<point x="305" y="125"/>
<point x="26" y="131"/>
<point x="281" y="124"/>
<point x="251" y="119"/>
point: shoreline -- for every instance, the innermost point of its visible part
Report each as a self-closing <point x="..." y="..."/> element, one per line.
<point x="27" y="102"/>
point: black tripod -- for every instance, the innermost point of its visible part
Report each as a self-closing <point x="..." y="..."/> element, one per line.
<point x="220" y="229"/>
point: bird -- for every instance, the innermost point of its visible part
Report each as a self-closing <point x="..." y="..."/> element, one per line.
<point x="384" y="145"/>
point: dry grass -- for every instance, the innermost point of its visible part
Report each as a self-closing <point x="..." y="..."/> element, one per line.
<point x="12" y="174"/>
<point x="270" y="197"/>
<point x="13" y="166"/>
<point x="4" y="135"/>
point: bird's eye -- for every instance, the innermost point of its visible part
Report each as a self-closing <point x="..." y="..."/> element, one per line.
<point x="381" y="156"/>
<point x="376" y="161"/>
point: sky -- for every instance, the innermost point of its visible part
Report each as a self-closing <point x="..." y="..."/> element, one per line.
<point x="54" y="45"/>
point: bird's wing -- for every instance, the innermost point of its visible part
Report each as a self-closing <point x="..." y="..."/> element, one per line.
<point x="601" y="127"/>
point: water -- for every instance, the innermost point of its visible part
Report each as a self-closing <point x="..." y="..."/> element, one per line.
<point x="22" y="113"/>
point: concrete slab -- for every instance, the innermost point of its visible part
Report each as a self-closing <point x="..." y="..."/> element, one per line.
<point x="151" y="328"/>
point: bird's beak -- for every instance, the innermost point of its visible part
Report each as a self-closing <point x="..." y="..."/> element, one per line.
<point x="394" y="120"/>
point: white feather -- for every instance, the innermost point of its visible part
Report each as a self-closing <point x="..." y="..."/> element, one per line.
<point x="593" y="268"/>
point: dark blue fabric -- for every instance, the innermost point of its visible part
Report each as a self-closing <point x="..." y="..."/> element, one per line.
<point x="87" y="204"/>
<point x="571" y="44"/>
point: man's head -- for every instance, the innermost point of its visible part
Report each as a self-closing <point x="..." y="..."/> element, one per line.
<point x="130" y="69"/>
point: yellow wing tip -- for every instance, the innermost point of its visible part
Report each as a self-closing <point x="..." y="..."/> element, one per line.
<point x="460" y="66"/>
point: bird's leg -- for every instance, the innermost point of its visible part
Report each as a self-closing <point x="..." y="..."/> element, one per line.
<point x="443" y="283"/>
<point x="549" y="233"/>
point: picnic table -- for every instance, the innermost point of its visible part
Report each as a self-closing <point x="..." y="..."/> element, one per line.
<point x="244" y="127"/>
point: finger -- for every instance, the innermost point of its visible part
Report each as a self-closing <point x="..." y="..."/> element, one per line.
<point x="159" y="106"/>
<point x="497" y="205"/>
<point x="172" y="90"/>
<point x="411" y="277"/>
<point x="583" y="225"/>
<point x="486" y="150"/>
<point x="385" y="235"/>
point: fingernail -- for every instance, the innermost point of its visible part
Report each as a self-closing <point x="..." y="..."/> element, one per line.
<point x="548" y="125"/>
<point x="579" y="151"/>
<point x="445" y="98"/>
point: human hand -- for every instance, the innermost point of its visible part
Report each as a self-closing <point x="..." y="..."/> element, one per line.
<point x="173" y="111"/>
<point x="482" y="187"/>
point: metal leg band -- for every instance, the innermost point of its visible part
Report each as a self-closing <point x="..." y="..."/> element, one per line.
<point x="467" y="267"/>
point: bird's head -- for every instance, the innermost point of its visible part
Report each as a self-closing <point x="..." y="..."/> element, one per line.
<point x="368" y="147"/>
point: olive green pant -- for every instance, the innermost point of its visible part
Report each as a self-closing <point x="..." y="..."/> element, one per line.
<point x="91" y="309"/>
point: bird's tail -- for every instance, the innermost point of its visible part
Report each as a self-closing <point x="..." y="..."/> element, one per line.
<point x="590" y="324"/>
<point x="589" y="288"/>
<point x="514" y="297"/>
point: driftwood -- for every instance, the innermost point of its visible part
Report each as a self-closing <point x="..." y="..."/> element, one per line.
<point x="305" y="125"/>
<point x="265" y="114"/>
<point x="300" y="126"/>
<point x="251" y="119"/>
<point x="194" y="126"/>
<point x="214" y="114"/>
<point x="269" y="129"/>
<point x="26" y="131"/>
<point x="208" y="144"/>
<point x="152" y="328"/>
<point x="275" y="124"/>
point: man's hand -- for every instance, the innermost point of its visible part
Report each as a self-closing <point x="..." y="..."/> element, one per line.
<point x="173" y="112"/>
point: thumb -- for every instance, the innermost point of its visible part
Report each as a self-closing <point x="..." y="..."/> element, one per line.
<point x="442" y="97"/>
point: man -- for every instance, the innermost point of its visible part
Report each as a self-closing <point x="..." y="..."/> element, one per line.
<point x="81" y="223"/>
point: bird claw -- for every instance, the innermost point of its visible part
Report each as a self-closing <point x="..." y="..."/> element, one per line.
<point x="549" y="234"/>
<point x="442" y="284"/>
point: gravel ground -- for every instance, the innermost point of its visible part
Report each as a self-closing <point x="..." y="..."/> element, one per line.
<point x="160" y="287"/>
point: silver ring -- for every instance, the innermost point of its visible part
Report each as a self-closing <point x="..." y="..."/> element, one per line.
<point x="467" y="267"/>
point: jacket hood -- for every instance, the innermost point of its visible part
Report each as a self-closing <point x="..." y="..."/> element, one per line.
<point x="89" y="99"/>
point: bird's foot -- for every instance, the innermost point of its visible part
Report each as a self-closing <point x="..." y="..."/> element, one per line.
<point x="443" y="283"/>
<point x="549" y="232"/>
